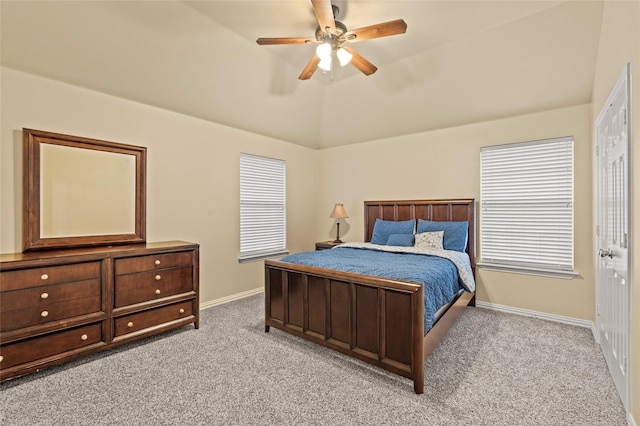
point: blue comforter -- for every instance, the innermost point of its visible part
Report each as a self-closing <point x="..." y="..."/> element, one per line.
<point x="439" y="276"/>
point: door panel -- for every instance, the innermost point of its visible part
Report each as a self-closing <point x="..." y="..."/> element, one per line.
<point x="613" y="202"/>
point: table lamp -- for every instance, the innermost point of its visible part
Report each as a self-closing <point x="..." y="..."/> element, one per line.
<point x="338" y="213"/>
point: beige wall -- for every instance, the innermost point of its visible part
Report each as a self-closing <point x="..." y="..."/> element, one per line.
<point x="193" y="172"/>
<point x="446" y="164"/>
<point x="620" y="44"/>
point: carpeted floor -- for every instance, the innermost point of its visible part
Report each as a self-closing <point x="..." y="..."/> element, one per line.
<point x="492" y="368"/>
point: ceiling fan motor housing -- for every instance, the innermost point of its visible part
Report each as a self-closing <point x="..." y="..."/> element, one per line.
<point x="323" y="36"/>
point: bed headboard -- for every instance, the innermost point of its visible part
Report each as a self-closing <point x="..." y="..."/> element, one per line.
<point x="454" y="210"/>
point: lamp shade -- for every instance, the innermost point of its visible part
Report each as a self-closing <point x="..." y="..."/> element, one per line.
<point x="323" y="51"/>
<point x="344" y="56"/>
<point x="338" y="212"/>
<point x="325" y="64"/>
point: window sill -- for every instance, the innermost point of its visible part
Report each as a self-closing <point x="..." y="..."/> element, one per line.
<point x="263" y="256"/>
<point x="567" y="275"/>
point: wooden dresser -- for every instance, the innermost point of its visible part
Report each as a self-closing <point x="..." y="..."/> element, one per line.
<point x="58" y="305"/>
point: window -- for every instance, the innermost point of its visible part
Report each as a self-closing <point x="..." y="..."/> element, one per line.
<point x="263" y="231"/>
<point x="526" y="207"/>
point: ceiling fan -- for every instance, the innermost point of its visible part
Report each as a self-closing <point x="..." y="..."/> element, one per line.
<point x="332" y="37"/>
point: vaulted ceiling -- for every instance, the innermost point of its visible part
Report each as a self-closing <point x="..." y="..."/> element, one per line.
<point x="459" y="62"/>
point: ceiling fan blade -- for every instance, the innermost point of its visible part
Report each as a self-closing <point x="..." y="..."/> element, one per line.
<point x="324" y="13"/>
<point x="311" y="67"/>
<point x="284" y="40"/>
<point x="376" y="31"/>
<point x="358" y="61"/>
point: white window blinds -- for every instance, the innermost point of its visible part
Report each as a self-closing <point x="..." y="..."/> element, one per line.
<point x="262" y="207"/>
<point x="526" y="192"/>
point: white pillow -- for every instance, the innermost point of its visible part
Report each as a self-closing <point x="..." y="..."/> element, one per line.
<point x="429" y="240"/>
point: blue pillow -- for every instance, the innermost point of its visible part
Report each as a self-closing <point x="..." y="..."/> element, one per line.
<point x="401" y="240"/>
<point x="455" y="233"/>
<point x="383" y="228"/>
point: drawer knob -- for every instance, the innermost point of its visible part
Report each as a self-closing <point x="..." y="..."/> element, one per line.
<point x="157" y="262"/>
<point x="1" y="358"/>
<point x="44" y="276"/>
<point x="182" y="310"/>
<point x="157" y="291"/>
<point x="129" y="324"/>
<point x="44" y="314"/>
<point x="84" y="337"/>
<point x="44" y="295"/>
<point x="158" y="277"/>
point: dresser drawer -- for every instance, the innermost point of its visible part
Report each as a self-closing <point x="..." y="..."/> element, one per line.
<point x="37" y="277"/>
<point x="39" y="305"/>
<point x="152" y="318"/>
<point x="153" y="262"/>
<point x="145" y="286"/>
<point x="52" y="344"/>
<point x="60" y="305"/>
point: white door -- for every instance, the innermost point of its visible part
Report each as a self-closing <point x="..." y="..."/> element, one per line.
<point x="613" y="206"/>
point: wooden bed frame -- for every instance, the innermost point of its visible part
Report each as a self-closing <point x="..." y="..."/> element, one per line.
<point x="375" y="320"/>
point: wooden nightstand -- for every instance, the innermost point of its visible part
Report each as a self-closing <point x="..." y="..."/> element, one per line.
<point x="326" y="245"/>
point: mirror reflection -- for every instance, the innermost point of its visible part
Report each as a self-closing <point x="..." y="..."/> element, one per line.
<point x="86" y="192"/>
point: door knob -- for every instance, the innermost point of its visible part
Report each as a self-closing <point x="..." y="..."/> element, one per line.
<point x="606" y="253"/>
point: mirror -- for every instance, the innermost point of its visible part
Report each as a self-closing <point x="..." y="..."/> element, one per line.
<point x="81" y="192"/>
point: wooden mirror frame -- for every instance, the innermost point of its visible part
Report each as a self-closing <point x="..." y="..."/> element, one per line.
<point x="31" y="211"/>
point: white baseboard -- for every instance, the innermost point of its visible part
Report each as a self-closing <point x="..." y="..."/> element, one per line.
<point x="494" y="306"/>
<point x="542" y="315"/>
<point x="231" y="298"/>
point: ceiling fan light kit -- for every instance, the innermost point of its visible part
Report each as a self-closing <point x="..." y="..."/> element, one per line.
<point x="343" y="56"/>
<point x="331" y="37"/>
<point x="325" y="64"/>
<point x="323" y="51"/>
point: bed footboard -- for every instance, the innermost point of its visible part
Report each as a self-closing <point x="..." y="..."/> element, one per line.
<point x="376" y="320"/>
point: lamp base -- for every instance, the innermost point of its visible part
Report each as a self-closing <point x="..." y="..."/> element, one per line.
<point x="337" y="240"/>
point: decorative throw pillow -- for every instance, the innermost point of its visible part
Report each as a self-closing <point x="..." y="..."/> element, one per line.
<point x="383" y="228"/>
<point x="401" y="240"/>
<point x="455" y="233"/>
<point x="429" y="240"/>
